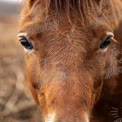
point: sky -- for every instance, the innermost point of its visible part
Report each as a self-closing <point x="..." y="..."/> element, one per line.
<point x="11" y="1"/>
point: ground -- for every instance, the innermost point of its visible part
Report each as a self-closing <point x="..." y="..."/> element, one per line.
<point x="16" y="103"/>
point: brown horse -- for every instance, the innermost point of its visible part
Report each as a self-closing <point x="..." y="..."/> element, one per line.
<point x="73" y="60"/>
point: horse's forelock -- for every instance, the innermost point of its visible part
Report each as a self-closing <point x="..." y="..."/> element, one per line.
<point x="80" y="9"/>
<point x="66" y="6"/>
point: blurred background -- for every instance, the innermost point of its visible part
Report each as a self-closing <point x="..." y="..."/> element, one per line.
<point x="16" y="103"/>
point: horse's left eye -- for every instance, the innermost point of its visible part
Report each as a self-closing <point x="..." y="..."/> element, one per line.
<point x="27" y="44"/>
<point x="104" y="44"/>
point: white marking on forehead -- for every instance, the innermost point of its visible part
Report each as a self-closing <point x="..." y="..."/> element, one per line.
<point x="50" y="117"/>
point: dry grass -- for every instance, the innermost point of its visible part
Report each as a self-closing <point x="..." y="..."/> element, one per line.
<point x="16" y="104"/>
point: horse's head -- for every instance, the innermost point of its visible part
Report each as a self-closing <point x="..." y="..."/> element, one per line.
<point x="66" y="44"/>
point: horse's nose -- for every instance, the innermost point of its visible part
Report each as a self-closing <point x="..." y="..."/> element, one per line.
<point x="67" y="118"/>
<point x="71" y="119"/>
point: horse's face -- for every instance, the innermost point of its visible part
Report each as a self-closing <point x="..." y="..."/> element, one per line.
<point x="65" y="67"/>
<point x="66" y="70"/>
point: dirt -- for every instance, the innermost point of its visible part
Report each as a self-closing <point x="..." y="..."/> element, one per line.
<point x="16" y="103"/>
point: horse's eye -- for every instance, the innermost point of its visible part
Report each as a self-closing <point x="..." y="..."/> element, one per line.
<point x="104" y="44"/>
<point x="27" y="44"/>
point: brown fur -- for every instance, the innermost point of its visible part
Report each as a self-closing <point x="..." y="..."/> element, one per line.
<point x="66" y="71"/>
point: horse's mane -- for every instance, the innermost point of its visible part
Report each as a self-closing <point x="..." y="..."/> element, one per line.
<point x="67" y="5"/>
<point x="80" y="9"/>
<point x="86" y="11"/>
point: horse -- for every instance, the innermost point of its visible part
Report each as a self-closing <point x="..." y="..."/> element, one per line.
<point x="73" y="58"/>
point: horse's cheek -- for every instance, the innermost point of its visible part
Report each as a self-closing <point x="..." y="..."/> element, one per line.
<point x="32" y="76"/>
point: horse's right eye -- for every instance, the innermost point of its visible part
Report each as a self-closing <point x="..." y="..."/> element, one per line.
<point x="26" y="43"/>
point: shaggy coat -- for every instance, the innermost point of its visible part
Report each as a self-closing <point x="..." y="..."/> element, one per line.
<point x="70" y="77"/>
